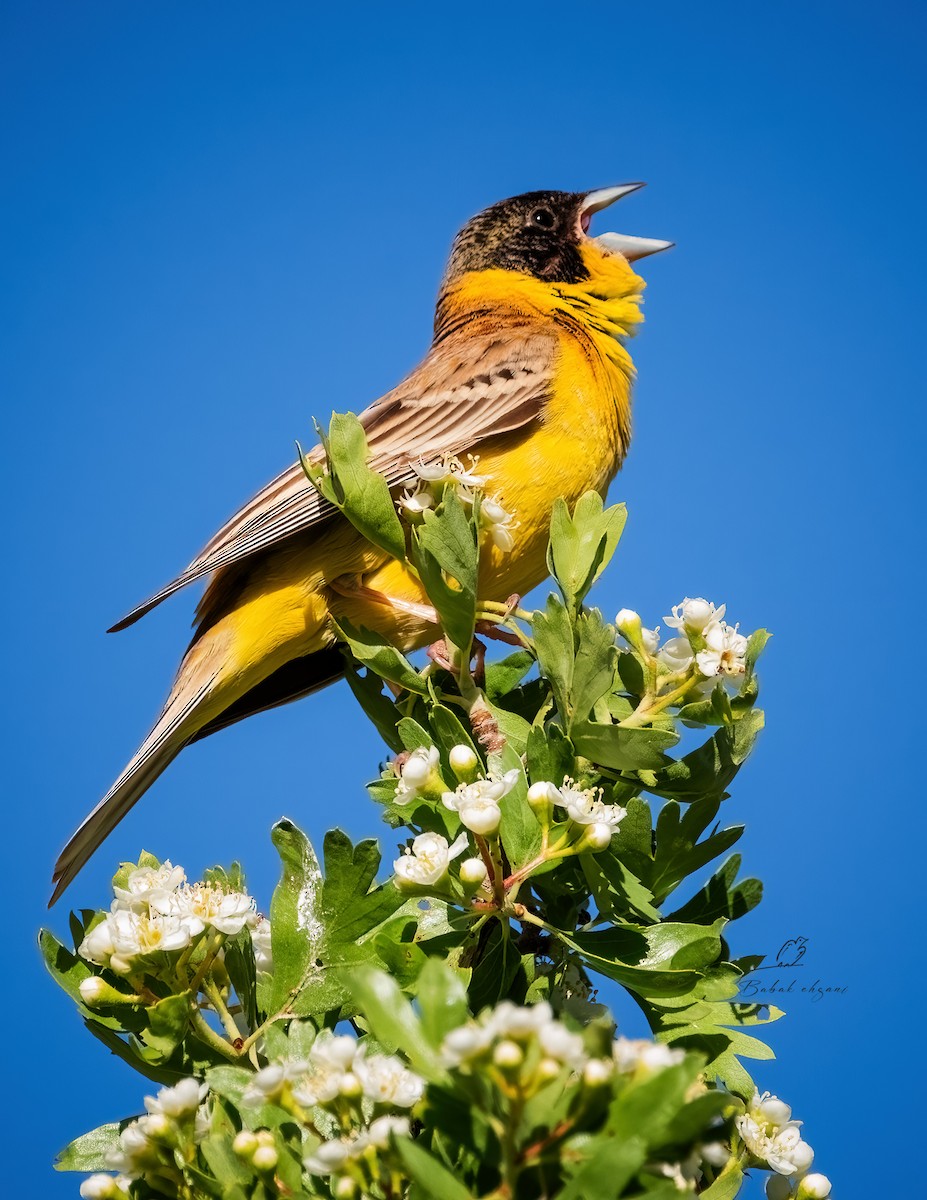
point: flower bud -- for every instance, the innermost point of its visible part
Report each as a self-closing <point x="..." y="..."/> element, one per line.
<point x="548" y="1068"/>
<point x="345" y="1188"/>
<point x="541" y="798"/>
<point x="596" y="836"/>
<point x="158" y="1126"/>
<point x="265" y="1138"/>
<point x="814" y="1187"/>
<point x="99" y="1187"/>
<point x="472" y="872"/>
<point x="94" y="990"/>
<point x="508" y="1054"/>
<point x="264" y="1158"/>
<point x="778" y="1188"/>
<point x="597" y="1071"/>
<point x="245" y="1143"/>
<point x="628" y="624"/>
<point x="716" y="1154"/>
<point x="463" y="763"/>
<point x="350" y="1086"/>
<point x="417" y="770"/>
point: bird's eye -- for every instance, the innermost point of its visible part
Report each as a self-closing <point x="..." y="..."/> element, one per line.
<point x="543" y="217"/>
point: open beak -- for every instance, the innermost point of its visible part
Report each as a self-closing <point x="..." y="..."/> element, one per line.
<point x="617" y="243"/>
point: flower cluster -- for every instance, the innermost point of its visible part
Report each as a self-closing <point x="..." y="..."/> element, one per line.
<point x="592" y="819"/>
<point x="155" y="911"/>
<point x="434" y="477"/>
<point x="176" y="1120"/>
<point x="512" y="1037"/>
<point x="704" y="644"/>
<point x="774" y="1139"/>
<point x="477" y="803"/>
<point x="341" y="1089"/>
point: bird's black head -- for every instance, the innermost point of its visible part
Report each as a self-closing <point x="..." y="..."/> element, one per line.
<point x="546" y="235"/>
<point x="536" y="234"/>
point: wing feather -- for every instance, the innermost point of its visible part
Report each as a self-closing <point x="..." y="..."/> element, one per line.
<point x="480" y="384"/>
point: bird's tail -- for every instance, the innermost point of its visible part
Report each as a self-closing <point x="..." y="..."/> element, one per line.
<point x="199" y="704"/>
<point x="173" y="729"/>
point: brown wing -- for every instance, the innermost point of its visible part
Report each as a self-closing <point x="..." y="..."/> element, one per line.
<point x="487" y="380"/>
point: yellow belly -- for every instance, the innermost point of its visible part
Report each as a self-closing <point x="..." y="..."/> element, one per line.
<point x="284" y="612"/>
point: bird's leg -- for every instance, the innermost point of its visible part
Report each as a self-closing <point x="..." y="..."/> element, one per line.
<point x="491" y="630"/>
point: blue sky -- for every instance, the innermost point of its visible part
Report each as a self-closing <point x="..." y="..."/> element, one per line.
<point x="220" y="220"/>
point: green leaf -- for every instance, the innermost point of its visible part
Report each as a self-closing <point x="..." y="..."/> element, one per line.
<point x="434" y="1179"/>
<point x="595" y="663"/>
<point x="553" y="639"/>
<point x="384" y="660"/>
<point x="607" y="1170"/>
<point x="89" y="1151"/>
<point x="442" y="998"/>
<point x="708" y="770"/>
<point x="727" y="1185"/>
<point x="445" y="551"/>
<point x="519" y="828"/>
<point x="368" y="692"/>
<point x="506" y="674"/>
<point x="721" y="896"/>
<point x="392" y="1019"/>
<point x="168" y="1022"/>
<point x="498" y="972"/>
<point x="296" y="921"/>
<point x="580" y="547"/>
<point x="623" y="749"/>
<point x="550" y="755"/>
<point x="362" y="494"/>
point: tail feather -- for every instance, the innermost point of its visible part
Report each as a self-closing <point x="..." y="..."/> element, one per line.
<point x="168" y="737"/>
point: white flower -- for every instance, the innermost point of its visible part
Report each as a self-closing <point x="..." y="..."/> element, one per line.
<point x="137" y="1146"/>
<point x="386" y="1079"/>
<point x="586" y="807"/>
<point x="449" y="470"/>
<point x="329" y="1157"/>
<point x="425" y="864"/>
<point x="261" y="944"/>
<point x="200" y="905"/>
<point x="694" y="615"/>
<point x="125" y="935"/>
<point x="415" y="773"/>
<point x="499" y="523"/>
<point x="181" y="1100"/>
<point x="102" y="1187"/>
<point x="781" y="1147"/>
<point x="633" y="1053"/>
<point x="383" y="1128"/>
<point x="651" y="639"/>
<point x="724" y="653"/>
<point x="559" y="1043"/>
<point x="769" y="1109"/>
<point x="508" y="1020"/>
<point x="414" y="503"/>
<point x="596" y="837"/>
<point x="814" y="1187"/>
<point x="145" y="882"/>
<point x="597" y="1071"/>
<point x="465" y="1043"/>
<point x="477" y="804"/>
<point x="268" y="1083"/>
<point x="676" y="655"/>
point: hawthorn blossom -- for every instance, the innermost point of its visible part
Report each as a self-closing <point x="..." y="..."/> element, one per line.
<point x="477" y="804"/>
<point x="676" y="655"/>
<point x="261" y="944"/>
<point x="181" y="1100"/>
<point x="631" y="1054"/>
<point x="145" y="882"/>
<point x="773" y="1137"/>
<point x="200" y="905"/>
<point x="125" y="935"/>
<point x="450" y="470"/>
<point x="694" y="615"/>
<point x="499" y="522"/>
<point x="425" y="863"/>
<point x="385" y="1079"/>
<point x="330" y="1157"/>
<point x="415" y="773"/>
<point x="585" y="806"/>
<point x="725" y="651"/>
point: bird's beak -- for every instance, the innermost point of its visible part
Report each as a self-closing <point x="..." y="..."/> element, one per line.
<point x="617" y="243"/>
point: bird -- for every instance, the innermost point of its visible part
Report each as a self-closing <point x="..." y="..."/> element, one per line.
<point x="528" y="371"/>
